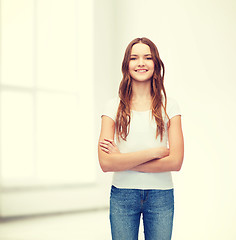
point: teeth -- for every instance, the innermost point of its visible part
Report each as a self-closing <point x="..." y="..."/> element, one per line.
<point x="141" y="70"/>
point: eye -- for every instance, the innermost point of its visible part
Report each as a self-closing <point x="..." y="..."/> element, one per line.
<point x="133" y="58"/>
<point x="149" y="58"/>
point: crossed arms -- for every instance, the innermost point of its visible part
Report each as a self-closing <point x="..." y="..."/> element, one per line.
<point x="159" y="159"/>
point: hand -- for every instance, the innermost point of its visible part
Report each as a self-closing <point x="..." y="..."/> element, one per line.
<point x="109" y="146"/>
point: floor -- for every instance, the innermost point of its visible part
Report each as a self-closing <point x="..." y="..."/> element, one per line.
<point x="92" y="225"/>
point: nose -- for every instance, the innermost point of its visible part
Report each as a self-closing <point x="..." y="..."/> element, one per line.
<point x="141" y="62"/>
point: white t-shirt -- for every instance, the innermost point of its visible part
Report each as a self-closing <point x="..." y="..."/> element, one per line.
<point x="142" y="135"/>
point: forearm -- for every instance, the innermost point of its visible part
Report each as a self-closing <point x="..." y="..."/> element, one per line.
<point x="165" y="164"/>
<point x="124" y="161"/>
<point x="172" y="162"/>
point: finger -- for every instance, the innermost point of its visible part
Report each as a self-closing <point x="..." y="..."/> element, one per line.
<point x="109" y="143"/>
<point x="105" y="146"/>
<point x="109" y="140"/>
<point x="104" y="143"/>
<point x="112" y="142"/>
<point x="104" y="149"/>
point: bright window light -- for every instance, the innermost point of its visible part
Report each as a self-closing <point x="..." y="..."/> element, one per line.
<point x="47" y="99"/>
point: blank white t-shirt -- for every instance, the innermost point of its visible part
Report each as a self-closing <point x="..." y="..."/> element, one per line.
<point x="142" y="135"/>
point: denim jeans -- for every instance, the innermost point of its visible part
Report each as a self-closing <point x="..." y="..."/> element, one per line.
<point x="156" y="207"/>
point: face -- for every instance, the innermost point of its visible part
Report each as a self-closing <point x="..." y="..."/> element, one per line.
<point x="141" y="65"/>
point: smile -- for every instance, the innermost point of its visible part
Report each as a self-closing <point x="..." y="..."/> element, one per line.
<point x="141" y="70"/>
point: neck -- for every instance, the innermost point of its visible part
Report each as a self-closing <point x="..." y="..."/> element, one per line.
<point x="141" y="90"/>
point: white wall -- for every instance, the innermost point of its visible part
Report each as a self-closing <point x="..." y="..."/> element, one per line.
<point x="196" y="40"/>
<point x="105" y="86"/>
<point x="93" y="20"/>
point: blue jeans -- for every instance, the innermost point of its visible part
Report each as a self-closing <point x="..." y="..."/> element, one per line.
<point x="156" y="207"/>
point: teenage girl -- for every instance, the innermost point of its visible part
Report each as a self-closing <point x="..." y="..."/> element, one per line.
<point x="141" y="141"/>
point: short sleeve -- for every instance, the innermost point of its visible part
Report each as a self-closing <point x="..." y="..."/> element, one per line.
<point x="110" y="108"/>
<point x="173" y="108"/>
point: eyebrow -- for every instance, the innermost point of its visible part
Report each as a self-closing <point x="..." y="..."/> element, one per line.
<point x="144" y="55"/>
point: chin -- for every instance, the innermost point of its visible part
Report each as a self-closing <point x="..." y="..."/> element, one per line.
<point x="141" y="78"/>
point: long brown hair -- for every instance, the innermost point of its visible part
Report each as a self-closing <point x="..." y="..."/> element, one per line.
<point x="123" y="116"/>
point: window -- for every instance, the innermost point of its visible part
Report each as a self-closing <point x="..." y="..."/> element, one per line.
<point x="46" y="94"/>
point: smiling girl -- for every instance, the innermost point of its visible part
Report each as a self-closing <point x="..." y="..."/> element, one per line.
<point x="141" y="141"/>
